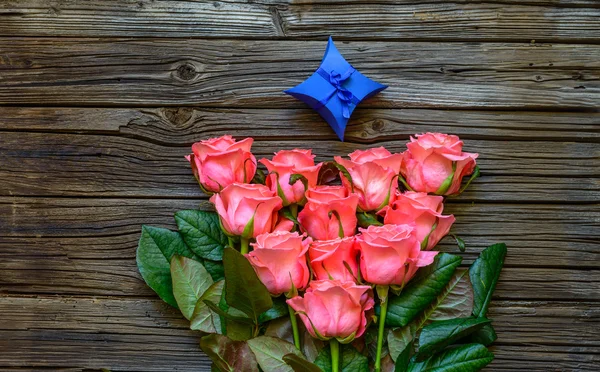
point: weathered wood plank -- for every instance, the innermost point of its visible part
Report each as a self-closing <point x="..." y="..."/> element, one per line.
<point x="437" y="20"/>
<point x="228" y="73"/>
<point x="87" y="246"/>
<point x="68" y="164"/>
<point x="115" y="334"/>
<point x="176" y="125"/>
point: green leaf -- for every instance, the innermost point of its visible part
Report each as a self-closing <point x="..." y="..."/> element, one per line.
<point x="228" y="355"/>
<point x="204" y="319"/>
<point x="484" y="274"/>
<point x="459" y="242"/>
<point x="421" y="290"/>
<point x="485" y="335"/>
<point x="475" y="174"/>
<point x="311" y="347"/>
<point x="239" y="331"/>
<point x="215" y="269"/>
<point x="155" y="250"/>
<point x="455" y="301"/>
<point x="438" y="335"/>
<point x="229" y="315"/>
<point x="190" y="281"/>
<point x="350" y="360"/>
<point x="367" y="219"/>
<point x="400" y="339"/>
<point x="280" y="328"/>
<point x="269" y="353"/>
<point x="279" y="309"/>
<point x="201" y="231"/>
<point x="243" y="289"/>
<point x="300" y="364"/>
<point x="289" y="215"/>
<point x="403" y="359"/>
<point x="466" y="358"/>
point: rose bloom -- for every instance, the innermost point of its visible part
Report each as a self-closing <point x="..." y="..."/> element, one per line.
<point x="279" y="259"/>
<point x="374" y="176"/>
<point x="422" y="210"/>
<point x="283" y="165"/>
<point x="219" y="162"/>
<point x="329" y="213"/>
<point x="247" y="210"/>
<point x="391" y="254"/>
<point x="435" y="163"/>
<point x="327" y="259"/>
<point x="332" y="308"/>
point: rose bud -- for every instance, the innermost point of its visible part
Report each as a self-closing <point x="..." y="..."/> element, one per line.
<point x="331" y="308"/>
<point x="247" y="210"/>
<point x="219" y="162"/>
<point x="373" y="176"/>
<point x="284" y="164"/>
<point x="422" y="210"/>
<point x="330" y="213"/>
<point x="435" y="163"/>
<point x="279" y="259"/>
<point x="328" y="259"/>
<point x="391" y="254"/>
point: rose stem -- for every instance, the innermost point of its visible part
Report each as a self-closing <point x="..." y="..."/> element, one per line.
<point x="294" y="327"/>
<point x="335" y="354"/>
<point x="294" y="210"/>
<point x="230" y="242"/>
<point x="244" y="246"/>
<point x="383" y="292"/>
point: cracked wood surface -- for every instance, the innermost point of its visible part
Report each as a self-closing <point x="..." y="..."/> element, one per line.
<point x="100" y="101"/>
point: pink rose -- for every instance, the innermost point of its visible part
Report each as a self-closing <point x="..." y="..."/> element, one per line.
<point x="374" y="176"/>
<point x="424" y="212"/>
<point x="391" y="254"/>
<point x="435" y="163"/>
<point x="329" y="213"/>
<point x="279" y="259"/>
<point x="378" y="155"/>
<point x="219" y="162"/>
<point x="331" y="308"/>
<point x="247" y="210"/>
<point x="327" y="259"/>
<point x="284" y="164"/>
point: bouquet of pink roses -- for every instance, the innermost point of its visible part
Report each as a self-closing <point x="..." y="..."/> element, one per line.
<point x="353" y="258"/>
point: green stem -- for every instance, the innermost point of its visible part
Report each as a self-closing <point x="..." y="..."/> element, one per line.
<point x="230" y="242"/>
<point x="294" y="327"/>
<point x="335" y="354"/>
<point x="245" y="246"/>
<point x="294" y="210"/>
<point x="384" y="304"/>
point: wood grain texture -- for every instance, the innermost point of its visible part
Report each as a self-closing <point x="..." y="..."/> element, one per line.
<point x="178" y="125"/>
<point x="87" y="246"/>
<point x="434" y="20"/>
<point x="226" y="73"/>
<point x="136" y="163"/>
<point x="122" y="334"/>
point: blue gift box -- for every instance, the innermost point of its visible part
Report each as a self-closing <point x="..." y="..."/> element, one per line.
<point x="335" y="89"/>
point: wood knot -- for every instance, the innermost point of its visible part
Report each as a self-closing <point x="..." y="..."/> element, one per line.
<point x="377" y="125"/>
<point x="186" y="71"/>
<point x="178" y="116"/>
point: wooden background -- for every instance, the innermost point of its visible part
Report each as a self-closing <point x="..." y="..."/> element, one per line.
<point x="100" y="100"/>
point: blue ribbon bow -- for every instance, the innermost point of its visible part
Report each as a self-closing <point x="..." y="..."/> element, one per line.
<point x="336" y="80"/>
